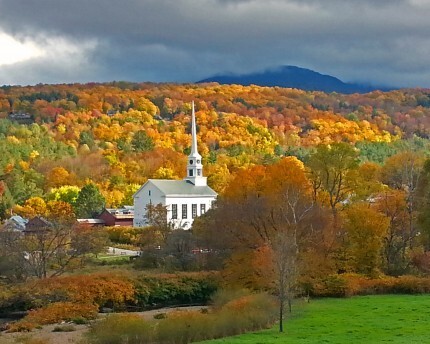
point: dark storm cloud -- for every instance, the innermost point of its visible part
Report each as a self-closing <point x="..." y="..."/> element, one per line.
<point x="384" y="41"/>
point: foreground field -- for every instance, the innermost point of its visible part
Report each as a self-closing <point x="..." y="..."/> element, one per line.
<point x="364" y="319"/>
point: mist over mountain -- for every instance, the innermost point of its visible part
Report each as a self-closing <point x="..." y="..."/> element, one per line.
<point x="294" y="77"/>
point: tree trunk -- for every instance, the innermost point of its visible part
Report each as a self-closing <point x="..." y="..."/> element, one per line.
<point x="281" y="315"/>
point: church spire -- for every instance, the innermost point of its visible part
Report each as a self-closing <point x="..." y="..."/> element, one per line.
<point x="194" y="166"/>
<point x="193" y="131"/>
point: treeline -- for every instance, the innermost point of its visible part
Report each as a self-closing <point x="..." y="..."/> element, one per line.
<point x="327" y="216"/>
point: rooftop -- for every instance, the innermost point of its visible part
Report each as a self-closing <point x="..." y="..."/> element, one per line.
<point x="181" y="188"/>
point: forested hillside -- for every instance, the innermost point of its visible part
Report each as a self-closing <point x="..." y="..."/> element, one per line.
<point x="118" y="135"/>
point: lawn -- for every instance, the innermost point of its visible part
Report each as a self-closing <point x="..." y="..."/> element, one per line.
<point x="363" y="319"/>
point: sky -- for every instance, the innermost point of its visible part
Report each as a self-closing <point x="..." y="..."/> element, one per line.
<point x="379" y="42"/>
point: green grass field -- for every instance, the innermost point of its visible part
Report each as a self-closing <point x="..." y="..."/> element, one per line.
<point x="365" y="319"/>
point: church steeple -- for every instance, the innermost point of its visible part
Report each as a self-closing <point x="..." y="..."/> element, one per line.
<point x="193" y="132"/>
<point x="194" y="166"/>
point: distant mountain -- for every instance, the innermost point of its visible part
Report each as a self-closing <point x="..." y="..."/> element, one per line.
<point x="294" y="77"/>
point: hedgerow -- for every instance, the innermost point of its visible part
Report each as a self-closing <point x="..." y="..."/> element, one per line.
<point x="343" y="285"/>
<point x="64" y="298"/>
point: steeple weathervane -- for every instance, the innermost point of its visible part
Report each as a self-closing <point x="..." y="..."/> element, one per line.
<point x="194" y="166"/>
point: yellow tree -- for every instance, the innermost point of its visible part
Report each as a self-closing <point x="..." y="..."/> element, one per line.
<point x="34" y="206"/>
<point x="332" y="172"/>
<point x="366" y="229"/>
<point x="57" y="177"/>
<point x="60" y="211"/>
<point x="164" y="173"/>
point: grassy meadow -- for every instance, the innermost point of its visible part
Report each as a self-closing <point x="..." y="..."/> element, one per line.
<point x="363" y="319"/>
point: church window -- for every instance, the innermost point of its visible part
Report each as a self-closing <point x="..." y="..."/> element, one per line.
<point x="194" y="211"/>
<point x="199" y="172"/>
<point x="202" y="209"/>
<point x="174" y="211"/>
<point x="149" y="192"/>
<point x="184" y="211"/>
<point x="191" y="162"/>
<point x="198" y="161"/>
<point x="190" y="172"/>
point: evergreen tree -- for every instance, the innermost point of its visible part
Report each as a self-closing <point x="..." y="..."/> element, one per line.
<point x="90" y="202"/>
<point x="141" y="142"/>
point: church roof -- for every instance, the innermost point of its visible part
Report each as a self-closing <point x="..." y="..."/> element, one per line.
<point x="181" y="188"/>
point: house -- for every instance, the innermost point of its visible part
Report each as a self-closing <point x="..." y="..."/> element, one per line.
<point x="118" y="217"/>
<point x="184" y="199"/>
<point x="36" y="224"/>
<point x="21" y="118"/>
<point x="15" y="223"/>
<point x="112" y="112"/>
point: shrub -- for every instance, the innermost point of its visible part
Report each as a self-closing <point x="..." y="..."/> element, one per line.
<point x="30" y="340"/>
<point x="159" y="316"/>
<point x="255" y="311"/>
<point x="54" y="313"/>
<point x="112" y="290"/>
<point x="61" y="311"/>
<point x="250" y="312"/>
<point x="21" y="326"/>
<point x="64" y="328"/>
<point x="100" y="289"/>
<point x="124" y="235"/>
<point x="119" y="329"/>
<point x="224" y="296"/>
<point x="180" y="289"/>
<point x="332" y="285"/>
<point x="80" y="321"/>
<point x="185" y="327"/>
<point x="354" y="284"/>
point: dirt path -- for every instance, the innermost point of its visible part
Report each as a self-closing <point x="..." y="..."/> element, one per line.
<point x="46" y="336"/>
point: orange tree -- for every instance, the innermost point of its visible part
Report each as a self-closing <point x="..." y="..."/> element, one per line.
<point x="269" y="207"/>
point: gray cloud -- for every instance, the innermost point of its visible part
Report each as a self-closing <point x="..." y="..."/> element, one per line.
<point x="383" y="42"/>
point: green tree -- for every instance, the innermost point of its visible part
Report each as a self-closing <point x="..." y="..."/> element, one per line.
<point x="6" y="202"/>
<point x="90" y="202"/>
<point x="141" y="142"/>
<point x="24" y="184"/>
<point x="129" y="191"/>
<point x="65" y="193"/>
<point x="86" y="138"/>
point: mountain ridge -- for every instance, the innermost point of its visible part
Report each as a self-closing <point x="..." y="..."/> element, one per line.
<point x="294" y="77"/>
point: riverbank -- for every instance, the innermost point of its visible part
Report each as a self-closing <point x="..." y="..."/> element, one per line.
<point x="46" y="334"/>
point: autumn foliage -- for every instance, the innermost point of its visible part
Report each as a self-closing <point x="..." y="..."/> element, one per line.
<point x="69" y="297"/>
<point x="345" y="178"/>
<point x="119" y="135"/>
<point x="249" y="312"/>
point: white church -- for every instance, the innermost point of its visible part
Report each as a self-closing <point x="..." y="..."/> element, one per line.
<point x="184" y="199"/>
